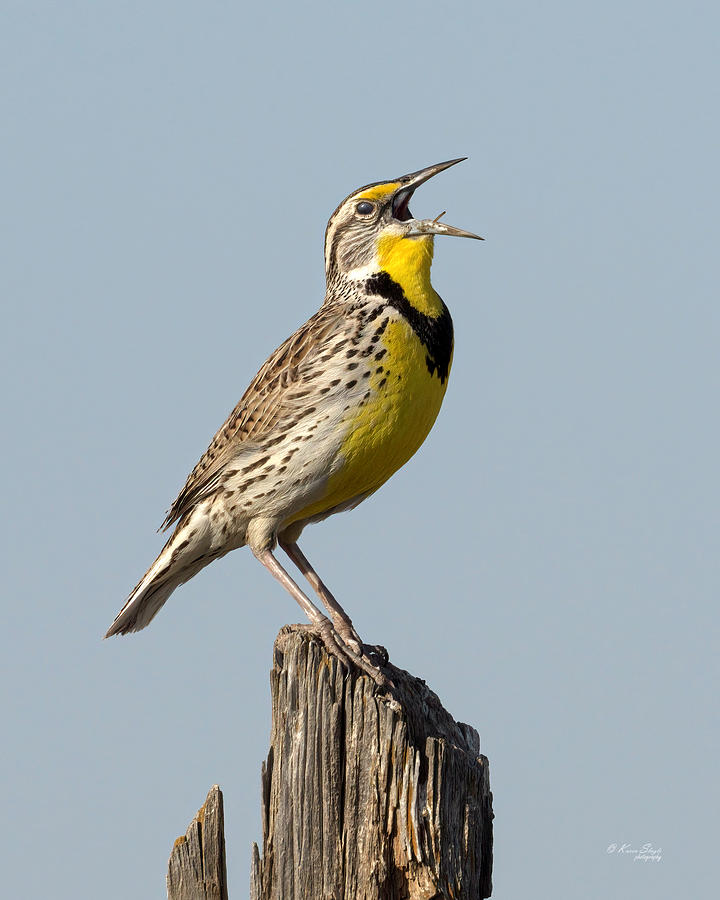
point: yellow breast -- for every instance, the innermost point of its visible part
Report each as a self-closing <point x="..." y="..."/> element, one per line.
<point x="403" y="406"/>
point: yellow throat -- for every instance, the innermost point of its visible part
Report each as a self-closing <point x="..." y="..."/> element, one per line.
<point x="407" y="261"/>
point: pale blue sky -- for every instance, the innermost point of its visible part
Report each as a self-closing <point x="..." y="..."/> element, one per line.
<point x="549" y="560"/>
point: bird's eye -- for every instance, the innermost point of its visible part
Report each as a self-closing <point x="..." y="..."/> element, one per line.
<point x="364" y="208"/>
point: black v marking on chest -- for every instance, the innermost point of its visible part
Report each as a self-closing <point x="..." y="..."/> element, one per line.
<point x="434" y="332"/>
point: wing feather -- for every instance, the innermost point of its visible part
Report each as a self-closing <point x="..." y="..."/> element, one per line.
<point x="268" y="400"/>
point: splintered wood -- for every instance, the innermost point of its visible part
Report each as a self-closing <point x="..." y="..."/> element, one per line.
<point x="196" y="870"/>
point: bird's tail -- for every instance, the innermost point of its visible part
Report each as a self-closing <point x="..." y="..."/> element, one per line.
<point x="184" y="555"/>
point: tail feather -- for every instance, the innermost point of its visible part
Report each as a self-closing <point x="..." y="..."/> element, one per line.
<point x="184" y="555"/>
<point x="141" y="608"/>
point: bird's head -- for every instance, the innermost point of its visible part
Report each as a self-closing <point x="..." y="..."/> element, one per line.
<point x="375" y="224"/>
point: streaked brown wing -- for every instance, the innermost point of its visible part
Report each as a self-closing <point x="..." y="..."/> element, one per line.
<point x="268" y="399"/>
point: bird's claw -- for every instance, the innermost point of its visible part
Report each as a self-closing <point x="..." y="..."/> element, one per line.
<point x="365" y="659"/>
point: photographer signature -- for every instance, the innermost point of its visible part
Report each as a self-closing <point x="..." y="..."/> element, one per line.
<point x="645" y="853"/>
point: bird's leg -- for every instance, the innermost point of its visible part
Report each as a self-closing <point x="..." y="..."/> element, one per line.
<point x="321" y="625"/>
<point x="341" y="620"/>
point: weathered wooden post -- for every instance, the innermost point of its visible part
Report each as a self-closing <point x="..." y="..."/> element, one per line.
<point x="365" y="795"/>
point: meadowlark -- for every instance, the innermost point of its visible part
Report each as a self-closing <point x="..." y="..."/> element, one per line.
<point x="332" y="414"/>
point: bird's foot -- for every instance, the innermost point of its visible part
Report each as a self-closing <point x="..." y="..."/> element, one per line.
<point x="344" y="629"/>
<point x="366" y="661"/>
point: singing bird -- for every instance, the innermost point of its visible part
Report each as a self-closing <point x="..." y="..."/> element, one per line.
<point x="339" y="407"/>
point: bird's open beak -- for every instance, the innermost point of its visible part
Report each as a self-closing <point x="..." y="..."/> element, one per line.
<point x="425" y="226"/>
